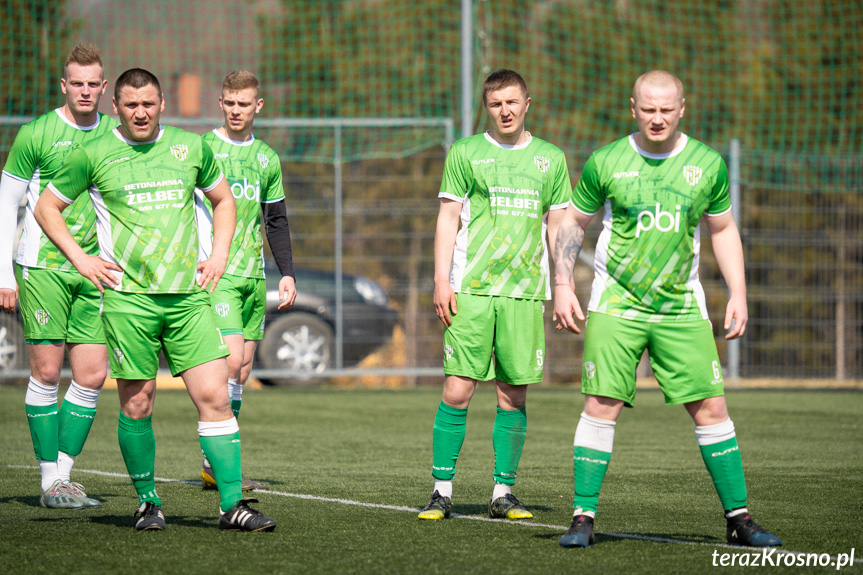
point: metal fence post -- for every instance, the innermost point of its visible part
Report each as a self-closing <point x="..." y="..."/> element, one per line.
<point x="734" y="189"/>
<point x="339" y="190"/>
<point x="466" y="68"/>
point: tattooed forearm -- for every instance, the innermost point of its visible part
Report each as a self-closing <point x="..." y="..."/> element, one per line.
<point x="570" y="237"/>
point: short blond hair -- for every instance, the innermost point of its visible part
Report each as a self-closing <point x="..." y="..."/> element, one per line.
<point x="240" y="80"/>
<point x="84" y="55"/>
<point x="658" y="79"/>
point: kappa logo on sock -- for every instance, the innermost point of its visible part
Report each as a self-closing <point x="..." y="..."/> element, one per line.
<point x="589" y="460"/>
<point x="726" y="452"/>
<point x="41" y="414"/>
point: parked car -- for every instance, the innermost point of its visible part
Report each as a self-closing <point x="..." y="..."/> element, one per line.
<point x="298" y="342"/>
<point x="301" y="341"/>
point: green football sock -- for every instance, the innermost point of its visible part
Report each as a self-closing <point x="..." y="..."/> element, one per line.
<point x="235" y="406"/>
<point x="507" y="437"/>
<point x="75" y="424"/>
<point x="44" y="424"/>
<point x="223" y="453"/>
<point x="450" y="424"/>
<point x="589" y="467"/>
<point x="725" y="465"/>
<point x="138" y="445"/>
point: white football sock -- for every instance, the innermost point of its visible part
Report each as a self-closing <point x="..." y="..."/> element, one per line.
<point x="444" y="488"/>
<point x="500" y="490"/>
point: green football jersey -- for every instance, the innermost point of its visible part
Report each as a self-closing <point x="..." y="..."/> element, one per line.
<point x="647" y="254"/>
<point x="39" y="150"/>
<point x="254" y="173"/>
<point x="506" y="193"/>
<point x="144" y="196"/>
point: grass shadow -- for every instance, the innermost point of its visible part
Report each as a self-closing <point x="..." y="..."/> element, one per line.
<point x="128" y="521"/>
<point x="482" y="509"/>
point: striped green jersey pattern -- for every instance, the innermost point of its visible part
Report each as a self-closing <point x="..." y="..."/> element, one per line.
<point x="254" y="173"/>
<point x="506" y="193"/>
<point x="144" y="196"/>
<point x="647" y="253"/>
<point x="39" y="150"/>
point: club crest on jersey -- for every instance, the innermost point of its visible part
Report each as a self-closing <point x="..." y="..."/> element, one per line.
<point x="692" y="174"/>
<point x="222" y="308"/>
<point x="542" y="163"/>
<point x="264" y="161"/>
<point x="180" y="151"/>
<point x="42" y="316"/>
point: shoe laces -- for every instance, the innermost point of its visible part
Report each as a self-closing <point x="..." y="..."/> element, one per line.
<point x="753" y="526"/>
<point x="55" y="487"/>
<point x="511" y="498"/>
<point x="146" y="508"/>
<point x="76" y="487"/>
<point x="65" y="489"/>
<point x="438" y="498"/>
<point x="746" y="525"/>
<point x="243" y="504"/>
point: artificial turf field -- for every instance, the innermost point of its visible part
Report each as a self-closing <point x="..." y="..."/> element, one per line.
<point x="348" y="470"/>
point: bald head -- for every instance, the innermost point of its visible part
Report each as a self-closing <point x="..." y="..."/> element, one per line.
<point x="657" y="106"/>
<point x="657" y="79"/>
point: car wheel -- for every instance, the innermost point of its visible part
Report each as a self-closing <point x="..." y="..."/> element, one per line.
<point x="13" y="349"/>
<point x="299" y="344"/>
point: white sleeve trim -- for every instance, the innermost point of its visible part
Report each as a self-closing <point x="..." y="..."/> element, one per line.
<point x="54" y="191"/>
<point x="719" y="214"/>
<point x="216" y="183"/>
<point x="559" y="206"/>
<point x="459" y="199"/>
<point x="582" y="211"/>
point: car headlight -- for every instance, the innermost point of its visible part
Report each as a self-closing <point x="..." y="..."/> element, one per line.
<point x="370" y="291"/>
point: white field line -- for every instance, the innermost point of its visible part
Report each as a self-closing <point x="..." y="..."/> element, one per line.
<point x="561" y="528"/>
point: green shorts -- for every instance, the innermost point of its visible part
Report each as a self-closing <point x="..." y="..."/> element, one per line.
<point x="239" y="305"/>
<point x="58" y="306"/>
<point x="682" y="354"/>
<point x="137" y="326"/>
<point x="493" y="337"/>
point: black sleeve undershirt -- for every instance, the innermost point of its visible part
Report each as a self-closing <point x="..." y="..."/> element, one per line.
<point x="279" y="236"/>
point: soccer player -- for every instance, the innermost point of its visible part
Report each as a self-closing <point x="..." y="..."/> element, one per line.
<point x="254" y="174"/>
<point x="656" y="185"/>
<point x="141" y="178"/>
<point x="491" y="277"/>
<point x="59" y="307"/>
